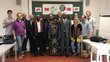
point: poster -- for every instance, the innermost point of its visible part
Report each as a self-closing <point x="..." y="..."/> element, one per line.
<point x="55" y="8"/>
<point x="76" y="9"/>
<point x="38" y="9"/>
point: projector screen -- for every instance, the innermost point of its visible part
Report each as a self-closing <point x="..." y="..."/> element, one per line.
<point x="104" y="27"/>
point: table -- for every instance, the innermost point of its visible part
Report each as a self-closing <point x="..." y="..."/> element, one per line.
<point x="6" y="47"/>
<point x="99" y="49"/>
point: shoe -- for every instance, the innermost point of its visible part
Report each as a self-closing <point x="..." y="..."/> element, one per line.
<point x="74" y="54"/>
<point x="35" y="54"/>
<point x="20" y="57"/>
<point x="41" y="54"/>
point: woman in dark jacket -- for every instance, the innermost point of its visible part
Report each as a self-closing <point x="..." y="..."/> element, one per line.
<point x="76" y="29"/>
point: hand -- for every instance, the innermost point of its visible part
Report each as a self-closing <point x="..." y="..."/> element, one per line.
<point x="15" y="38"/>
<point x="25" y="36"/>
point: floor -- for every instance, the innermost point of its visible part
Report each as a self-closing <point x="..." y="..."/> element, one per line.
<point x="46" y="58"/>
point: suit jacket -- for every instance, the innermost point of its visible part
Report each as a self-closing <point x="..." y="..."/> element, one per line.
<point x="29" y="28"/>
<point x="35" y="27"/>
<point x="66" y="27"/>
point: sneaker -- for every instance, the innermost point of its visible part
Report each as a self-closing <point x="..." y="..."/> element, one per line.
<point x="20" y="57"/>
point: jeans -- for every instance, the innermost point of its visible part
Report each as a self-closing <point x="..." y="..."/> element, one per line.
<point x="77" y="47"/>
<point x="20" y="40"/>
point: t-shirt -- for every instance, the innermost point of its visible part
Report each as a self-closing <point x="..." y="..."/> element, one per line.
<point x="19" y="27"/>
<point x="8" y="30"/>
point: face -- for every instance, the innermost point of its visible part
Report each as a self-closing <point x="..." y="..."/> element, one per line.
<point x="31" y="16"/>
<point x="75" y="16"/>
<point x="88" y="13"/>
<point x="9" y="13"/>
<point x="51" y="16"/>
<point x="75" y="21"/>
<point x="19" y="16"/>
<point x="59" y="14"/>
<point x="64" y="15"/>
<point x="83" y="18"/>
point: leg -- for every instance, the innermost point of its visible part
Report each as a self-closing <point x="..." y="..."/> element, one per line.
<point x="25" y="44"/>
<point x="19" y="45"/>
<point x="78" y="48"/>
<point x="73" y="47"/>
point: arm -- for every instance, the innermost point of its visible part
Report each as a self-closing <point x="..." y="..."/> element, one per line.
<point x="6" y="24"/>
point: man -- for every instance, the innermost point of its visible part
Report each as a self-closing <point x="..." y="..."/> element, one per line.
<point x="38" y="28"/>
<point x="91" y="24"/>
<point x="7" y="24"/>
<point x="65" y="33"/>
<point x="24" y="47"/>
<point x="46" y="40"/>
<point x="84" y="27"/>
<point x="30" y="33"/>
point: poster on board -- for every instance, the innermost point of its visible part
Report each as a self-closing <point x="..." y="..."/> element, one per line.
<point x="55" y="8"/>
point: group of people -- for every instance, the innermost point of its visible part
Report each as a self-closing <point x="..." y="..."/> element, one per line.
<point x="55" y="35"/>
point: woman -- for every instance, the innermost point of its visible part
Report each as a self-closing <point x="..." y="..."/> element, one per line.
<point x="53" y="36"/>
<point x="19" y="32"/>
<point x="76" y="29"/>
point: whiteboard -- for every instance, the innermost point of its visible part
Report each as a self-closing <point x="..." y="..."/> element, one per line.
<point x="104" y="27"/>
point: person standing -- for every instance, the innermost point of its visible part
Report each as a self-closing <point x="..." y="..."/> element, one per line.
<point x="7" y="24"/>
<point x="84" y="27"/>
<point x="90" y="23"/>
<point x="30" y="34"/>
<point x="19" y="32"/>
<point x="38" y="28"/>
<point x="53" y="36"/>
<point x="65" y="33"/>
<point x="24" y="47"/>
<point x="46" y="40"/>
<point x="76" y="32"/>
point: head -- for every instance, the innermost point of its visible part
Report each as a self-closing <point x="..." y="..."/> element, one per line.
<point x="24" y="15"/>
<point x="44" y="16"/>
<point x="83" y="18"/>
<point x="31" y="16"/>
<point x="38" y="17"/>
<point x="88" y="13"/>
<point x="69" y="17"/>
<point x="64" y="15"/>
<point x="59" y="14"/>
<point x="75" y="16"/>
<point x="19" y="16"/>
<point x="9" y="12"/>
<point x="51" y="16"/>
<point x="75" y="21"/>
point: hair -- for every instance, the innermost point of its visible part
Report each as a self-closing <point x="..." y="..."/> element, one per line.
<point x="88" y="11"/>
<point x="9" y="11"/>
<point x="18" y="13"/>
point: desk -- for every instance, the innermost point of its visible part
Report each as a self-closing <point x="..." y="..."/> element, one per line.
<point x="6" y="47"/>
<point x="99" y="49"/>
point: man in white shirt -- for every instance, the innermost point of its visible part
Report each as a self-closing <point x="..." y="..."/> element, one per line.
<point x="7" y="24"/>
<point x="90" y="23"/>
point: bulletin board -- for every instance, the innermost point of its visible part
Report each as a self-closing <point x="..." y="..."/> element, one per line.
<point x="37" y="7"/>
<point x="104" y="24"/>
